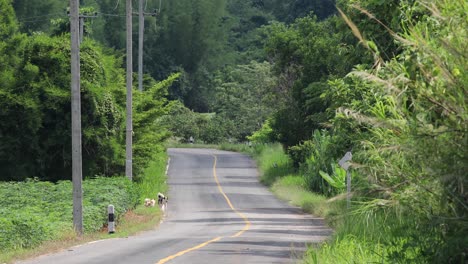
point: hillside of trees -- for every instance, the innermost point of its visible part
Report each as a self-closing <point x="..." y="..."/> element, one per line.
<point x="383" y="79"/>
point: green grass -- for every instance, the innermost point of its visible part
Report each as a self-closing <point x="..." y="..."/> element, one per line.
<point x="270" y="158"/>
<point x="274" y="164"/>
<point x="292" y="188"/>
<point x="33" y="212"/>
<point x="154" y="179"/>
<point x="346" y="249"/>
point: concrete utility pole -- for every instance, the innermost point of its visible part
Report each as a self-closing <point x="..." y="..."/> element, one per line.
<point x="129" y="130"/>
<point x="141" y="27"/>
<point x="82" y="20"/>
<point x="81" y="28"/>
<point x="76" y="119"/>
<point x="141" y="30"/>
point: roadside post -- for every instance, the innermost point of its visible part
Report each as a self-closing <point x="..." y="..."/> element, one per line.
<point x="344" y="163"/>
<point x="111" y="224"/>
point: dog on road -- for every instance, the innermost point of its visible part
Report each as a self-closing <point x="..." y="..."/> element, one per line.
<point x="162" y="201"/>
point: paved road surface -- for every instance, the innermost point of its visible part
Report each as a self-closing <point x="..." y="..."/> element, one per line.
<point x="217" y="213"/>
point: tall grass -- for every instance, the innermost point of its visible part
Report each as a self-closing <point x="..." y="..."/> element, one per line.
<point x="154" y="177"/>
<point x="274" y="164"/>
<point x="270" y="158"/>
<point x="33" y="212"/>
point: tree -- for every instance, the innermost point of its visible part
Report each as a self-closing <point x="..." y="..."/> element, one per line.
<point x="36" y="17"/>
<point x="150" y="132"/>
<point x="412" y="154"/>
<point x="288" y="11"/>
<point x="20" y="111"/>
<point x="243" y="95"/>
<point x="307" y="53"/>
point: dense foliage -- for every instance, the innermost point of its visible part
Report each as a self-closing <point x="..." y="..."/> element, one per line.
<point x="403" y="112"/>
<point x="32" y="212"/>
<point x="35" y="90"/>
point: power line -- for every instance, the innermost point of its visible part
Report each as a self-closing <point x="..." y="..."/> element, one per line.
<point x="39" y="20"/>
<point x="111" y="15"/>
<point x="48" y="15"/>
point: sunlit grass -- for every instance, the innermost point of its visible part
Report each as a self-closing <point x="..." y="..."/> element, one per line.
<point x="347" y="249"/>
<point x="154" y="178"/>
<point x="292" y="189"/>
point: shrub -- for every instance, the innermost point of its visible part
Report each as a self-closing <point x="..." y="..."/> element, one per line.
<point x="32" y="212"/>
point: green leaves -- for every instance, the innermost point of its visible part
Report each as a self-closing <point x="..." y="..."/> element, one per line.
<point x="337" y="179"/>
<point x="8" y="25"/>
<point x="149" y="108"/>
<point x="243" y="96"/>
<point x="32" y="211"/>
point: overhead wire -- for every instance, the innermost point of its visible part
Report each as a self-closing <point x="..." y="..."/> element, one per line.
<point x="47" y="17"/>
<point x="111" y="15"/>
<point x="41" y="16"/>
<point x="41" y="20"/>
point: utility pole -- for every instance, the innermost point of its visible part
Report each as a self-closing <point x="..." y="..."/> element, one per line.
<point x="82" y="20"/>
<point x="141" y="27"/>
<point x="76" y="119"/>
<point x="81" y="28"/>
<point x="129" y="130"/>
<point x="141" y="30"/>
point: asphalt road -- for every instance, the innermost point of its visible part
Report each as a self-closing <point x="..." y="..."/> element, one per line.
<point x="217" y="213"/>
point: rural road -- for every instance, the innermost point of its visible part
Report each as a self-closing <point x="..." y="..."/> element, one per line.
<point x="218" y="212"/>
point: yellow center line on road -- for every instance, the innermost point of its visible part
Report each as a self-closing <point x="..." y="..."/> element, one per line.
<point x="246" y="220"/>
<point x="188" y="250"/>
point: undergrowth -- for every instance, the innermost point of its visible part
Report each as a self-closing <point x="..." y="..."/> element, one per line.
<point x="37" y="216"/>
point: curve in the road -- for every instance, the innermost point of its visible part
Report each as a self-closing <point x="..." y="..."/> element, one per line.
<point x="246" y="220"/>
<point x="248" y="225"/>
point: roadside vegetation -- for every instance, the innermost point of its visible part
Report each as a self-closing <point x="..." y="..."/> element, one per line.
<point x="36" y="216"/>
<point x="400" y="107"/>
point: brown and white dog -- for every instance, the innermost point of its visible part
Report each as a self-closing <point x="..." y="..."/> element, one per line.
<point x="150" y="202"/>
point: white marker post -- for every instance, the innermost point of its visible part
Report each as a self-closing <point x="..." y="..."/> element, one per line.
<point x="344" y="163"/>
<point x="111" y="224"/>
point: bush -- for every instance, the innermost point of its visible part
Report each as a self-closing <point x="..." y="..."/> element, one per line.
<point x="300" y="153"/>
<point x="32" y="212"/>
<point x="319" y="159"/>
